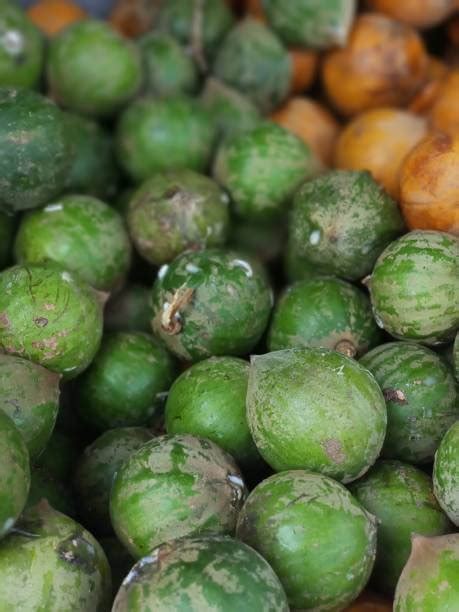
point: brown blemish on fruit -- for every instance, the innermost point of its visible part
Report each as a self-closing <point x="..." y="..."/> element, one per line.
<point x="4" y="321"/>
<point x="346" y="347"/>
<point x="334" y="450"/>
<point x="170" y="319"/>
<point x="41" y="321"/>
<point x="395" y="395"/>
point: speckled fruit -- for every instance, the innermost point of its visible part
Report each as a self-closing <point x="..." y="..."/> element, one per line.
<point x="59" y="457"/>
<point x="318" y="539"/>
<point x="446" y="473"/>
<point x="175" y="486"/>
<point x="175" y="211"/>
<point x="44" y="486"/>
<point x="129" y="310"/>
<point x="6" y="237"/>
<point x="420" y="395"/>
<point x="208" y="573"/>
<point x="49" y="316"/>
<point x="122" y="385"/>
<point x="211" y="302"/>
<point x="315" y="409"/>
<point x="414" y="288"/>
<point x="340" y="223"/>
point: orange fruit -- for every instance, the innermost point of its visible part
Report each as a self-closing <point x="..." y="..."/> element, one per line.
<point x="444" y="113"/>
<point x="418" y="13"/>
<point x="133" y="17"/>
<point x="52" y="16"/>
<point x="304" y="68"/>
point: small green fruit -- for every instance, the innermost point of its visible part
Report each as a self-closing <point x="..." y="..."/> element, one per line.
<point x="446" y="473"/>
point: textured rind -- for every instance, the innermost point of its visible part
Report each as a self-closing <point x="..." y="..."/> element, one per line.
<point x="414" y="288"/>
<point x="196" y="574"/>
<point x="401" y="498"/>
<point x="175" y="486"/>
<point x="318" y="539"/>
<point x="316" y="409"/>
<point x="446" y="473"/>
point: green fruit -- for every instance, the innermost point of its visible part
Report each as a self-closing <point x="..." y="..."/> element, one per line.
<point x="129" y="310"/>
<point x="119" y="558"/>
<point x="49" y="316"/>
<point x="325" y="312"/>
<point x="241" y="163"/>
<point x="175" y="486"/>
<point x="318" y="539"/>
<point x="80" y="233"/>
<point x="446" y="473"/>
<point x="34" y="150"/>
<point x="420" y="395"/>
<point x="21" y="48"/>
<point x="92" y="69"/>
<point x="210" y="302"/>
<point x="414" y="288"/>
<point x="14" y="474"/>
<point x="96" y="470"/>
<point x="29" y="395"/>
<point x="59" y="457"/>
<point x="208" y="400"/>
<point x="253" y="60"/>
<point x="6" y="237"/>
<point x="51" y="563"/>
<point x="121" y="386"/>
<point x="44" y="486"/>
<point x="340" y="223"/>
<point x="175" y="211"/>
<point x="429" y="581"/>
<point x="265" y="241"/>
<point x="195" y="574"/>
<point x="315" y="409"/>
<point x="401" y="498"/>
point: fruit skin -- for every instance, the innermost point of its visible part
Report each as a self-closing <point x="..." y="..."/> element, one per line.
<point x="58" y="494"/>
<point x="14" y="474"/>
<point x="211" y="302"/>
<point x="157" y="135"/>
<point x="215" y="572"/>
<point x="401" y="498"/>
<point x="80" y="233"/>
<point x="446" y="473"/>
<point x="414" y="289"/>
<point x="175" y="486"/>
<point x="340" y="223"/>
<point x="34" y="150"/>
<point x="53" y="564"/>
<point x="96" y="469"/>
<point x="175" y="211"/>
<point x="59" y="457"/>
<point x="49" y="316"/>
<point x="444" y="114"/>
<point x="122" y="385"/>
<point x="129" y="310"/>
<point x="253" y="60"/>
<point x="6" y="237"/>
<point x="324" y="312"/>
<point x="311" y="408"/>
<point x="52" y="16"/>
<point x="429" y="579"/>
<point x="318" y="539"/>
<point x="92" y="69"/>
<point x="432" y="13"/>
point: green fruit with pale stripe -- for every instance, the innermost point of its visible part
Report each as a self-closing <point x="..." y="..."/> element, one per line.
<point x="129" y="309"/>
<point x="59" y="457"/>
<point x="6" y="238"/>
<point x="414" y="287"/>
<point x="175" y="486"/>
<point x="318" y="539"/>
<point x="58" y="494"/>
<point x="446" y="473"/>
<point x="315" y="409"/>
<point x="421" y="399"/>
<point x="209" y="573"/>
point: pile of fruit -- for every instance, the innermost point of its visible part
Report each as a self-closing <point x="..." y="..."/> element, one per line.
<point x="229" y="306"/>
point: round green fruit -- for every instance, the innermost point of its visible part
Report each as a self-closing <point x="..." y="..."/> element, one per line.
<point x="175" y="486"/>
<point x="59" y="457"/>
<point x="58" y="494"/>
<point x="129" y="310"/>
<point x="6" y="238"/>
<point x="446" y="473"/>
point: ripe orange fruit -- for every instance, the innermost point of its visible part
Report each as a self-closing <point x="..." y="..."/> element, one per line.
<point x="52" y="16"/>
<point x="423" y="14"/>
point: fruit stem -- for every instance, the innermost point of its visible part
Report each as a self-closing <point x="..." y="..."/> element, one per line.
<point x="346" y="347"/>
<point x="170" y="318"/>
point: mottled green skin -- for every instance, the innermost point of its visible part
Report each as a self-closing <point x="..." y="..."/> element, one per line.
<point x="214" y="573"/>
<point x="96" y="470"/>
<point x="168" y="68"/>
<point x="34" y="150"/>
<point x="119" y="558"/>
<point x="311" y="23"/>
<point x="121" y="386"/>
<point x="58" y="494"/>
<point x="226" y="311"/>
<point x="253" y="60"/>
<point x="59" y="457"/>
<point x="262" y="169"/>
<point x="311" y="408"/>
<point x="80" y="233"/>
<point x="29" y="395"/>
<point x="414" y="287"/>
<point x="446" y="473"/>
<point x="264" y="241"/>
<point x="401" y="498"/>
<point x="175" y="211"/>
<point x="21" y="48"/>
<point x="53" y="564"/>
<point x="6" y="237"/>
<point x="49" y="316"/>
<point x="14" y="474"/>
<point x="92" y="69"/>
<point x="341" y="222"/>
<point x="154" y="135"/>
<point x="326" y="312"/>
<point x="175" y="486"/>
<point x="129" y="310"/>
<point x="426" y="404"/>
<point x="316" y="536"/>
